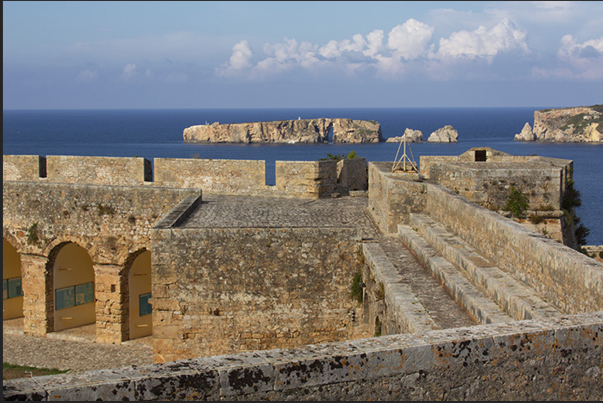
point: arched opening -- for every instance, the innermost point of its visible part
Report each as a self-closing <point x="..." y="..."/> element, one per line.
<point x="140" y="318"/>
<point x="74" y="302"/>
<point x="330" y="135"/>
<point x="12" y="297"/>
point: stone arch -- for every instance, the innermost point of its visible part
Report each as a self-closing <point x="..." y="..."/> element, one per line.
<point x="138" y="292"/>
<point x="12" y="300"/>
<point x="70" y="276"/>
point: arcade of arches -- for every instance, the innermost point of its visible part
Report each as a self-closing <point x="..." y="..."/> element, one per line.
<point x="67" y="289"/>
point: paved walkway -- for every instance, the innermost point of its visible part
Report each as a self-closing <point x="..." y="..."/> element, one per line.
<point x="72" y="349"/>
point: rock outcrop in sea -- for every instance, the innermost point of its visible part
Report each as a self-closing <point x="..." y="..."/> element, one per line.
<point x="446" y="134"/>
<point x="582" y="124"/>
<point x="412" y="136"/>
<point x="287" y="131"/>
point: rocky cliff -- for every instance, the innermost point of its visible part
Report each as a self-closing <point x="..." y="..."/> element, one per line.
<point x="287" y="131"/>
<point x="565" y="125"/>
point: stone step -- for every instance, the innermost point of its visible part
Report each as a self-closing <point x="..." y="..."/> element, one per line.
<point x="410" y="314"/>
<point x="432" y="295"/>
<point x="515" y="298"/>
<point x="482" y="308"/>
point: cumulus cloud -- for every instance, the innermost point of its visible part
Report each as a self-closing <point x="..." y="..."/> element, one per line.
<point x="410" y="39"/>
<point x="483" y="43"/>
<point x="585" y="59"/>
<point x="238" y="62"/>
<point x="407" y="47"/>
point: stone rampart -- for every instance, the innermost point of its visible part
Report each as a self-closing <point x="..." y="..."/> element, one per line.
<point x="306" y="179"/>
<point x="555" y="359"/>
<point x="563" y="276"/>
<point x="222" y="290"/>
<point x="568" y="279"/>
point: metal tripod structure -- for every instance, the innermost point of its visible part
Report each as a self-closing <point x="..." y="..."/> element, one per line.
<point x="400" y="164"/>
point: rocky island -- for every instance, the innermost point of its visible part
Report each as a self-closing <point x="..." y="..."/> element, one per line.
<point x="287" y="131"/>
<point x="582" y="124"/>
<point x="446" y="134"/>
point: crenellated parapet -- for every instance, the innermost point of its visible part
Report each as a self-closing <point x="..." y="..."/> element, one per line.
<point x="311" y="179"/>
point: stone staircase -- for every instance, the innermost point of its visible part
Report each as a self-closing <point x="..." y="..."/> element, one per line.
<point x="432" y="279"/>
<point x="490" y="294"/>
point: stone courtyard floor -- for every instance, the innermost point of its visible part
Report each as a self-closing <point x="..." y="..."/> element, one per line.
<point x="71" y="349"/>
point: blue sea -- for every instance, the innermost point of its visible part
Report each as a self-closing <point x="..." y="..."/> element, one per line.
<point x="157" y="133"/>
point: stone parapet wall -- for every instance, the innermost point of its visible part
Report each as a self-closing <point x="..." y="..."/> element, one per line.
<point x="213" y="176"/>
<point x="564" y="277"/>
<point x="393" y="196"/>
<point x="306" y="179"/>
<point x="23" y="167"/>
<point x="114" y="171"/>
<point x="352" y="174"/>
<point x="311" y="179"/>
<point x="555" y="359"/>
<point x="223" y="290"/>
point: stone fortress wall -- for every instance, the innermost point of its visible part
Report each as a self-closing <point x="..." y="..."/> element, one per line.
<point x="550" y="347"/>
<point x="108" y="207"/>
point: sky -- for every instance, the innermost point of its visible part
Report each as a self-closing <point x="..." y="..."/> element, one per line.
<point x="203" y="54"/>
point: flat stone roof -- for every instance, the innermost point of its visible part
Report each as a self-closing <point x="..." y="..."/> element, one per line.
<point x="222" y="211"/>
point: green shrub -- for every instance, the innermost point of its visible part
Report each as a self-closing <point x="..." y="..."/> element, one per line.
<point x="352" y="155"/>
<point x="357" y="287"/>
<point x="581" y="233"/>
<point x="534" y="219"/>
<point x="571" y="197"/>
<point x="32" y="234"/>
<point x="517" y="202"/>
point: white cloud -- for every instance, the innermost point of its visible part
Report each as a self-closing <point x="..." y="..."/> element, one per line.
<point x="239" y="60"/>
<point x="483" y="43"/>
<point x="410" y="39"/>
<point x="584" y="59"/>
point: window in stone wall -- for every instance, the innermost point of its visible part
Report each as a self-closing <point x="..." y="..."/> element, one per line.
<point x="145" y="307"/>
<point x="480" y="155"/>
<point x="12" y="288"/>
<point x="75" y="295"/>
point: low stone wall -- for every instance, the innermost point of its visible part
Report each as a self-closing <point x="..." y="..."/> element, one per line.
<point x="352" y="174"/>
<point x="393" y="196"/>
<point x="556" y="359"/>
<point x="213" y="176"/>
<point x="114" y="171"/>
<point x="305" y="178"/>
<point x="570" y="280"/>
<point x="224" y="290"/>
<point x="23" y="167"/>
